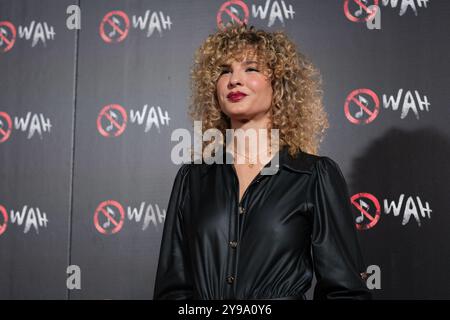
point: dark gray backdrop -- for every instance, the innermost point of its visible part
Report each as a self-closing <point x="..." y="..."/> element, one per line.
<point x="68" y="172"/>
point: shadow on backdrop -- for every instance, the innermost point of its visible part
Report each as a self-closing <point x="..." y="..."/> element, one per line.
<point x="411" y="257"/>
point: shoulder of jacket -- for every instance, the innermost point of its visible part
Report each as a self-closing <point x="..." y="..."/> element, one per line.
<point x="327" y="166"/>
<point x="193" y="168"/>
<point x="309" y="163"/>
<point x="304" y="162"/>
<point x="184" y="170"/>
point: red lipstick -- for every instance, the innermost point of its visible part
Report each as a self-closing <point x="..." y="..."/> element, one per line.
<point x="236" y="96"/>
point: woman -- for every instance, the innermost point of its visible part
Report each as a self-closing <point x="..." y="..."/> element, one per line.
<point x="234" y="233"/>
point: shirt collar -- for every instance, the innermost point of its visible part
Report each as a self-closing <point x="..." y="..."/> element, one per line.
<point x="302" y="163"/>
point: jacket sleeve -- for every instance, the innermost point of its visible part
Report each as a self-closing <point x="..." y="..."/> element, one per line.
<point x="173" y="276"/>
<point x="338" y="262"/>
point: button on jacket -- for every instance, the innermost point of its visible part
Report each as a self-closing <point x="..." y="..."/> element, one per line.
<point x="267" y="246"/>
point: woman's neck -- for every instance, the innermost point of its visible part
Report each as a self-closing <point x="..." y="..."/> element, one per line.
<point x="252" y="140"/>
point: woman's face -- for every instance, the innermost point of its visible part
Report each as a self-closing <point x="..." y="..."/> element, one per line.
<point x="244" y="77"/>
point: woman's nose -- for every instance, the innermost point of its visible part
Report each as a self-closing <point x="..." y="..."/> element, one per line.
<point x="235" y="79"/>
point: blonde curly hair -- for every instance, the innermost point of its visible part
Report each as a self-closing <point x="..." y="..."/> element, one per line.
<point x="296" y="109"/>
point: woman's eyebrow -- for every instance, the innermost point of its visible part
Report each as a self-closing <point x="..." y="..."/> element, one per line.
<point x="245" y="63"/>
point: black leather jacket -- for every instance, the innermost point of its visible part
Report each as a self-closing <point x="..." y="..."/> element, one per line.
<point x="267" y="246"/>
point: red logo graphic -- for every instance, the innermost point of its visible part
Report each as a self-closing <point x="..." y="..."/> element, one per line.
<point x="360" y="201"/>
<point x="108" y="115"/>
<point x="120" y="26"/>
<point x="5" y="128"/>
<point x="5" y="219"/>
<point x="230" y="10"/>
<point x="110" y="214"/>
<point x="363" y="13"/>
<point x="7" y="35"/>
<point x="363" y="103"/>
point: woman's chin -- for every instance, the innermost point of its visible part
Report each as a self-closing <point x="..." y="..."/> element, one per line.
<point x="237" y="112"/>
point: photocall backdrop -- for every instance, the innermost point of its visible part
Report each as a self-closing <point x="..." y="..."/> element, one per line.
<point x="86" y="116"/>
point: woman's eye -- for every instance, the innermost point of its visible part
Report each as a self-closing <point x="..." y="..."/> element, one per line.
<point x="248" y="69"/>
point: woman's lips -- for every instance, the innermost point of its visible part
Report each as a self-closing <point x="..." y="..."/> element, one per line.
<point x="236" y="97"/>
